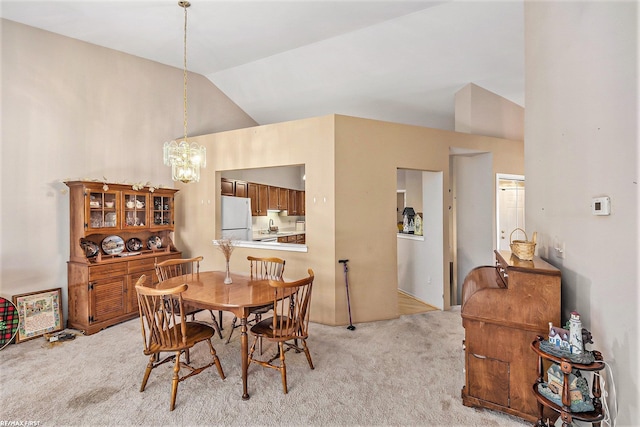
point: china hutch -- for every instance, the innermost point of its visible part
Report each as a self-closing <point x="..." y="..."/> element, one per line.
<point x="117" y="233"/>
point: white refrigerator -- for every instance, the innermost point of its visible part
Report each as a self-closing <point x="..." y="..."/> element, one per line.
<point x="236" y="218"/>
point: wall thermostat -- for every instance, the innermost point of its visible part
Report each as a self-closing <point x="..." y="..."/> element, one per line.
<point x="601" y="206"/>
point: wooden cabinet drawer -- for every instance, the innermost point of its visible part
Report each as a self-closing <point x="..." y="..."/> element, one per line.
<point x="108" y="270"/>
<point x="144" y="264"/>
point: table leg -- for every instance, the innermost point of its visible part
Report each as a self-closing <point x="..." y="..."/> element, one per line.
<point x="245" y="356"/>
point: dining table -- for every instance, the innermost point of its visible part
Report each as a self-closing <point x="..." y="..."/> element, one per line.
<point x="208" y="290"/>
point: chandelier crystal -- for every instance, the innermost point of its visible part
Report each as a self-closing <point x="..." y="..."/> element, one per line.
<point x="185" y="158"/>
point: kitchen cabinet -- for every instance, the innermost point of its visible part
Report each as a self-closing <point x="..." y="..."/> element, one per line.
<point x="278" y="198"/>
<point x="294" y="238"/>
<point x="293" y="203"/>
<point x="300" y="203"/>
<point x="111" y="228"/>
<point x="233" y="187"/>
<point x="228" y="187"/>
<point x="274" y="198"/>
<point x="283" y="199"/>
<point x="265" y="197"/>
<point x="259" y="195"/>
<point x="241" y="189"/>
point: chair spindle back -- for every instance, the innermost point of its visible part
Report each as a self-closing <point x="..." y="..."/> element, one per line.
<point x="266" y="268"/>
<point x="291" y="318"/>
<point x="177" y="267"/>
<point x="163" y="325"/>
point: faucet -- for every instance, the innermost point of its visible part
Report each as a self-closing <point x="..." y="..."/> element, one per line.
<point x="271" y="224"/>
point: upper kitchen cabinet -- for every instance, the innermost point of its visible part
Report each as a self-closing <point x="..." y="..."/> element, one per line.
<point x="233" y="187"/>
<point x="242" y="189"/>
<point x="259" y="195"/>
<point x="293" y="203"/>
<point x="278" y="198"/>
<point x="300" y="203"/>
<point x="228" y="187"/>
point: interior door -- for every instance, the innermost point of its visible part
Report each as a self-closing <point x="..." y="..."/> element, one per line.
<point x="510" y="199"/>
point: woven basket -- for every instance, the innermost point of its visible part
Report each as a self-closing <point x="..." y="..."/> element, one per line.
<point x="523" y="249"/>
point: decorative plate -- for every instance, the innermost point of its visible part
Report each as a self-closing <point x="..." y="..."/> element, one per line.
<point x="112" y="245"/>
<point x="134" y="244"/>
<point x="154" y="240"/>
<point x="90" y="248"/>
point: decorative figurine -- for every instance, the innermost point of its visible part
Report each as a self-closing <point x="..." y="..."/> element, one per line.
<point x="569" y="341"/>
<point x="575" y="333"/>
<point x="559" y="337"/>
<point x="578" y="389"/>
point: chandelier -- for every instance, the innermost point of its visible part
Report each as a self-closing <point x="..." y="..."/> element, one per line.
<point x="185" y="158"/>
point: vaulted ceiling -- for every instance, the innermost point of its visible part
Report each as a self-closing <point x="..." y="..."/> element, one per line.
<point x="400" y="61"/>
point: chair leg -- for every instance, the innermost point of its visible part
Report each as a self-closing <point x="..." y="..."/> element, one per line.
<point x="258" y="318"/>
<point x="233" y="327"/>
<point x="176" y="379"/>
<point x="216" y="360"/>
<point x="187" y="359"/>
<point x="306" y="351"/>
<point x="251" y="350"/>
<point x="283" y="367"/>
<point x="147" y="371"/>
<point x="216" y="326"/>
<point x="220" y="317"/>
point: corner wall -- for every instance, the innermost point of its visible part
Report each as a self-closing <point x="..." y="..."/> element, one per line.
<point x="351" y="179"/>
<point x="582" y="124"/>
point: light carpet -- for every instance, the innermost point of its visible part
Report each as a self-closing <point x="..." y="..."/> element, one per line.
<point x="401" y="372"/>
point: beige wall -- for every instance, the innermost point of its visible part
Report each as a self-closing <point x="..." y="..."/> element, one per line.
<point x="351" y="167"/>
<point x="582" y="124"/>
<point x="75" y="110"/>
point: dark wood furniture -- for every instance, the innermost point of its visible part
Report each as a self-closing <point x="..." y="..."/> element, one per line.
<point x="101" y="284"/>
<point x="289" y="324"/>
<point x="208" y="290"/>
<point x="567" y="366"/>
<point x="259" y="195"/>
<point x="165" y="329"/>
<point x="264" y="197"/>
<point x="504" y="307"/>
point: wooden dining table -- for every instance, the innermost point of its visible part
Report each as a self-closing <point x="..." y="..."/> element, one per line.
<point x="208" y="291"/>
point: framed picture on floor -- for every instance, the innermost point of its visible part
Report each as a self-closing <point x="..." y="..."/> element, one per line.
<point x="39" y="312"/>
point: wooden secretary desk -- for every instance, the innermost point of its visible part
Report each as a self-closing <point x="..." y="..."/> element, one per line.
<point x="504" y="308"/>
<point x="117" y="233"/>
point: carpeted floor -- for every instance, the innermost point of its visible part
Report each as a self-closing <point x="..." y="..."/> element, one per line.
<point x="401" y="372"/>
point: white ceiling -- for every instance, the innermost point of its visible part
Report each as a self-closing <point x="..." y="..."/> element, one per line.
<point x="400" y="61"/>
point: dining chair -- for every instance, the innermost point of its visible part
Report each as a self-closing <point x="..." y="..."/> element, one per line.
<point x="289" y="324"/>
<point x="165" y="329"/>
<point x="178" y="267"/>
<point x="261" y="268"/>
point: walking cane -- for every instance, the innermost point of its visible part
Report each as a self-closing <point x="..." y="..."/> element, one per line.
<point x="346" y="281"/>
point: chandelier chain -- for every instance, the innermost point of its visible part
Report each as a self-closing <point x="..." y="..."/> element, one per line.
<point x="185" y="159"/>
<point x="184" y="6"/>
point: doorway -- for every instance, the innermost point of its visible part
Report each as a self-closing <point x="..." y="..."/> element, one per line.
<point x="509" y="209"/>
<point x="471" y="215"/>
<point x="420" y="258"/>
